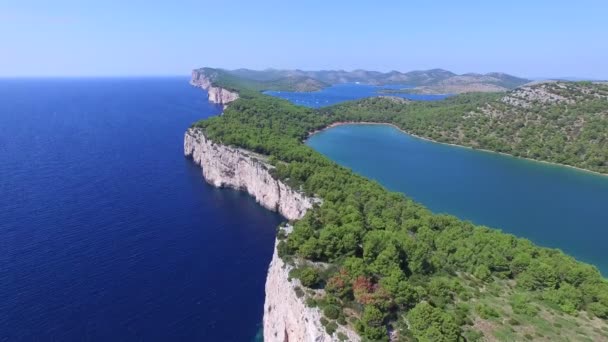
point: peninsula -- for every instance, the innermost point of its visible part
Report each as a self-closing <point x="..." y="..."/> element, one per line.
<point x="434" y="81"/>
<point x="358" y="262"/>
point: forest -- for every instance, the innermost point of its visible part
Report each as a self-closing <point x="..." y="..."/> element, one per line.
<point x="379" y="262"/>
<point x="561" y="122"/>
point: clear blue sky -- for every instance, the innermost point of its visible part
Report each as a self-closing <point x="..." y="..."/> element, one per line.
<point x="133" y="37"/>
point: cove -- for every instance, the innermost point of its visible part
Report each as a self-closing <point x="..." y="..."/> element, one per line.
<point x="552" y="205"/>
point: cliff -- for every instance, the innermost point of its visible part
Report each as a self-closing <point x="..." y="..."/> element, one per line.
<point x="216" y="94"/>
<point x="225" y="166"/>
<point x="286" y="316"/>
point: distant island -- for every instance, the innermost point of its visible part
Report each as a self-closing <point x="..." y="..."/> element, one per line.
<point x="434" y="81"/>
<point x="357" y="262"/>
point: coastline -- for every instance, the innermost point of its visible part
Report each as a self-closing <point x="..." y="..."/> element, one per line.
<point x="280" y="301"/>
<point x="342" y="123"/>
<point x="286" y="315"/>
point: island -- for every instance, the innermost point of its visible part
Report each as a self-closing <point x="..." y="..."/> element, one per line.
<point x="357" y="262"/>
<point x="434" y="81"/>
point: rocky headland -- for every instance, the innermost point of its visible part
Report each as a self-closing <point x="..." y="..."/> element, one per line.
<point x="217" y="95"/>
<point x="286" y="316"/>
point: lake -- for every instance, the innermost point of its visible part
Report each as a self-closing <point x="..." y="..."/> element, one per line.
<point x="107" y="233"/>
<point x="551" y="205"/>
<point x="346" y="92"/>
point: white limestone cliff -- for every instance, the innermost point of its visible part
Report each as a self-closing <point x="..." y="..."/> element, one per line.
<point x="216" y="94"/>
<point x="286" y="316"/>
<point x="225" y="166"/>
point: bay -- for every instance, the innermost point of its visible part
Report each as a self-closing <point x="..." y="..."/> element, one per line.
<point x="554" y="206"/>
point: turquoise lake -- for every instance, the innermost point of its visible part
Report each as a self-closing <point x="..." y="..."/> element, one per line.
<point x="554" y="206"/>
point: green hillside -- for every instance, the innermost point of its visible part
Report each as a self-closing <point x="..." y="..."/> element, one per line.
<point x="381" y="263"/>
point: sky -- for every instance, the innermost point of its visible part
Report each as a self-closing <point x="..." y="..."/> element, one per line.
<point x="139" y="38"/>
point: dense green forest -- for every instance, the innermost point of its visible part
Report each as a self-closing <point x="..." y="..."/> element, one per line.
<point x="383" y="264"/>
<point x="561" y="122"/>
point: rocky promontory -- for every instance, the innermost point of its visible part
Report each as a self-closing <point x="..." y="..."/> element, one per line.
<point x="286" y="316"/>
<point x="216" y="94"/>
<point x="225" y="166"/>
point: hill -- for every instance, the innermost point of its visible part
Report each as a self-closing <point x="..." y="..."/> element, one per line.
<point x="424" y="81"/>
<point x="559" y="122"/>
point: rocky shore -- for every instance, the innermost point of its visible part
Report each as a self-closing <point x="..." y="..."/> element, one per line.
<point x="286" y="316"/>
<point x="216" y="94"/>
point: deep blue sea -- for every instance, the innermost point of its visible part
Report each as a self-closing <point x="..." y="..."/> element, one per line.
<point x="346" y="92"/>
<point x="554" y="206"/>
<point x="107" y="233"/>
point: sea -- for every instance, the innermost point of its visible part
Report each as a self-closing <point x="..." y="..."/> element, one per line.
<point x="107" y="233"/>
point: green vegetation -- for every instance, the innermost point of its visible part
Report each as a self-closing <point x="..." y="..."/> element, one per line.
<point x="308" y="276"/>
<point x="565" y="123"/>
<point x="275" y="81"/>
<point x="300" y="80"/>
<point x="384" y="261"/>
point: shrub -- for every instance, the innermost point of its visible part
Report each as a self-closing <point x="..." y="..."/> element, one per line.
<point x="473" y="336"/>
<point x="567" y="297"/>
<point x="331" y="327"/>
<point x="486" y="312"/>
<point x="521" y="305"/>
<point x="513" y="321"/>
<point x="324" y="321"/>
<point x="281" y="234"/>
<point x="311" y="302"/>
<point x="299" y="292"/>
<point x="428" y="323"/>
<point x="483" y="272"/>
<point x="331" y="311"/>
<point x="598" y="310"/>
<point x="308" y="276"/>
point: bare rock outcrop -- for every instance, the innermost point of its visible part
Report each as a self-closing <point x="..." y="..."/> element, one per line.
<point x="527" y="96"/>
<point x="225" y="166"/>
<point x="216" y="94"/>
<point x="286" y="316"/>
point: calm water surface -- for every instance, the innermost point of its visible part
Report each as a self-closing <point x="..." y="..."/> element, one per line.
<point x="107" y="233"/>
<point x="345" y="92"/>
<point x="551" y="205"/>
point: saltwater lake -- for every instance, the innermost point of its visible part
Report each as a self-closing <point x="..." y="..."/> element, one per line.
<point x="107" y="233"/>
<point x="346" y="92"/>
<point x="553" y="206"/>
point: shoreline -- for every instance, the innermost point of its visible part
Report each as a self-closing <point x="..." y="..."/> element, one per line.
<point x="342" y="123"/>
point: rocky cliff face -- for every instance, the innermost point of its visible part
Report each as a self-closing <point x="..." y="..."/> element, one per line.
<point x="225" y="166"/>
<point x="286" y="316"/>
<point x="216" y="94"/>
